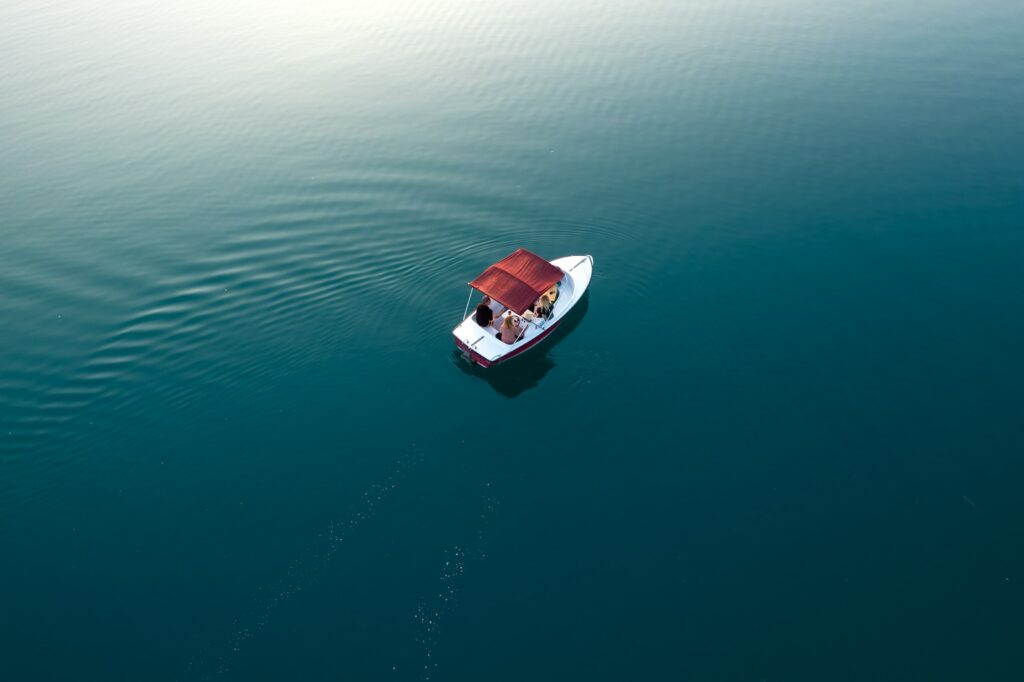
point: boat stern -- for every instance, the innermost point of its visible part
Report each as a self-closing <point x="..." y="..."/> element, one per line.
<point x="473" y="342"/>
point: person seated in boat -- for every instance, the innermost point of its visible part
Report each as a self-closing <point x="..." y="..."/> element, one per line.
<point x="543" y="306"/>
<point x="511" y="330"/>
<point x="552" y="293"/>
<point x="484" y="316"/>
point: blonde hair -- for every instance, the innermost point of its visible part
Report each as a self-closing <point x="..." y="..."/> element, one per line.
<point x="545" y="302"/>
<point x="507" y="324"/>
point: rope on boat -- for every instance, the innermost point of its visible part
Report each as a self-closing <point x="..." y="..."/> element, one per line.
<point x="578" y="264"/>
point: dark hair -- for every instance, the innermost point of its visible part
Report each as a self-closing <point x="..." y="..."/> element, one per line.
<point x="483" y="315"/>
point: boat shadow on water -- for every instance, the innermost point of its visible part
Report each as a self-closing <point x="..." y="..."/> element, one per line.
<point x="522" y="373"/>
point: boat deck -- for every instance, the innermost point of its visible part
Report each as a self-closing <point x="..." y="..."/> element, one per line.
<point x="486" y="348"/>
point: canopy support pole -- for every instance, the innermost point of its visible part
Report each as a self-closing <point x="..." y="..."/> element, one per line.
<point x="466" y="311"/>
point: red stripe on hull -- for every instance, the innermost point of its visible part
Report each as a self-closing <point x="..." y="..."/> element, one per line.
<point x="484" y="362"/>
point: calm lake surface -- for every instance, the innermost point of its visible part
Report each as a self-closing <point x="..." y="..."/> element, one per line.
<point x="781" y="440"/>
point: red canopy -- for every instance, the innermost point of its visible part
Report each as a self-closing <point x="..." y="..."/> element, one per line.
<point x="517" y="280"/>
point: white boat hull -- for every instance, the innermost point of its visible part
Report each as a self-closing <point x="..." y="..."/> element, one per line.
<point x="483" y="347"/>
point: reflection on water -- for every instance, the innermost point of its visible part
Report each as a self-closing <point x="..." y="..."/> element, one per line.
<point x="526" y="371"/>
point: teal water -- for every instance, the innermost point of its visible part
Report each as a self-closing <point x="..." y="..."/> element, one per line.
<point x="780" y="441"/>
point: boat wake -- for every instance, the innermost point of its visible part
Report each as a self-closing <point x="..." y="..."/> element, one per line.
<point x="430" y="612"/>
<point x="216" y="661"/>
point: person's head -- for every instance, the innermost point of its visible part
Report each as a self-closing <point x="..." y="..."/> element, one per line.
<point x="486" y="300"/>
<point x="545" y="302"/>
<point x="511" y="322"/>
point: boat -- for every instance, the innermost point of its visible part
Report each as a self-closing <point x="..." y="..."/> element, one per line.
<point x="517" y="282"/>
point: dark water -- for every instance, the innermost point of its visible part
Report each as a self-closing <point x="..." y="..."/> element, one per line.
<point x="781" y="441"/>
